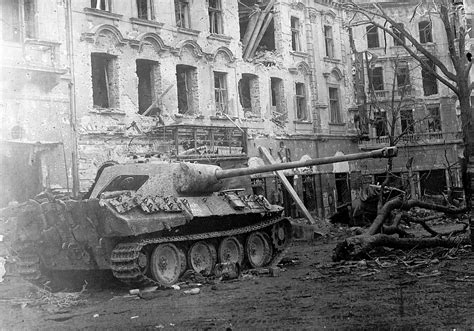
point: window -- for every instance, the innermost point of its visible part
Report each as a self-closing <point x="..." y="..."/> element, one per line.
<point x="372" y="37"/>
<point x="329" y="41"/>
<point x="376" y="79"/>
<point x="426" y="35"/>
<point x="403" y="75"/>
<point x="17" y="24"/>
<point x="277" y="99"/>
<point x="301" y="112"/>
<point x="334" y="106"/>
<point x="295" y="34"/>
<point x="145" y="9"/>
<point x="401" y="38"/>
<point x="181" y="8"/>
<point x="406" y="120"/>
<point x="215" y="17"/>
<point x="187" y="83"/>
<point x="380" y="123"/>
<point x="104" y="86"/>
<point x="430" y="85"/>
<point x="434" y="120"/>
<point x="147" y="73"/>
<point x="101" y="4"/>
<point x="249" y="94"/>
<point x="220" y="90"/>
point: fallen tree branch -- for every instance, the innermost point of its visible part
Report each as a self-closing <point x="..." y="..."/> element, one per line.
<point x="357" y="247"/>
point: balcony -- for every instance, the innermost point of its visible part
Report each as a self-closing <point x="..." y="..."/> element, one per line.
<point x="413" y="139"/>
<point x="401" y="93"/>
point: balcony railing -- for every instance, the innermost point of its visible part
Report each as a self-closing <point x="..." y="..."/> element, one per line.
<point x="424" y="138"/>
<point x="406" y="92"/>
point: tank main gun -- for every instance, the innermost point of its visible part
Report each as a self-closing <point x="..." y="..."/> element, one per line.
<point x="195" y="178"/>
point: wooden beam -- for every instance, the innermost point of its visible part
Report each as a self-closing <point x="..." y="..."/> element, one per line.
<point x="268" y="19"/>
<point x="269" y="158"/>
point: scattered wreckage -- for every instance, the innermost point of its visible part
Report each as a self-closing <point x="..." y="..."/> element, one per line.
<point x="150" y="222"/>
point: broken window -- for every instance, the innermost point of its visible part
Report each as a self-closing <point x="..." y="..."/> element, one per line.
<point x="430" y="84"/>
<point x="145" y="9"/>
<point x="376" y="79"/>
<point x="181" y="8"/>
<point x="215" y="16"/>
<point x="101" y="4"/>
<point x="249" y="93"/>
<point x="434" y="120"/>
<point x="406" y="120"/>
<point x="328" y="37"/>
<point x="372" y="37"/>
<point x="426" y="35"/>
<point x="301" y="112"/>
<point x="401" y="38"/>
<point x="432" y="181"/>
<point x="380" y="123"/>
<point x="470" y="33"/>
<point x="104" y="85"/>
<point x="343" y="188"/>
<point x="262" y="38"/>
<point x="277" y="95"/>
<point x="220" y="91"/>
<point x="403" y="75"/>
<point x="187" y="83"/>
<point x="309" y="192"/>
<point x="147" y="73"/>
<point x="334" y="105"/>
<point x="295" y="34"/>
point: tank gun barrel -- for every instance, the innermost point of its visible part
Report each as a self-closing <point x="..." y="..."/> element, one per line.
<point x="386" y="152"/>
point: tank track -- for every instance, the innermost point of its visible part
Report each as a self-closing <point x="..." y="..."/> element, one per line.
<point x="125" y="256"/>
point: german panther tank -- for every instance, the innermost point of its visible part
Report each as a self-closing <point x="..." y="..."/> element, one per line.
<point x="150" y="222"/>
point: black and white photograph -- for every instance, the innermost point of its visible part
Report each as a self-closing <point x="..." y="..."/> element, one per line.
<point x="236" y="165"/>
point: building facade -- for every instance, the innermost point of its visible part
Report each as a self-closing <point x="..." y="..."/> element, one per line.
<point x="205" y="81"/>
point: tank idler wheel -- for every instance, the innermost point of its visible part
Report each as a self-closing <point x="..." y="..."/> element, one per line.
<point x="258" y="249"/>
<point x="231" y="250"/>
<point x="167" y="263"/>
<point x="281" y="233"/>
<point x="202" y="257"/>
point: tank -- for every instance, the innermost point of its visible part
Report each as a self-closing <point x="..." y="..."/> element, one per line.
<point x="150" y="222"/>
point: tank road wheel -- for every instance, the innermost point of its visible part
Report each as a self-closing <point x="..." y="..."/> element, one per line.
<point x="231" y="250"/>
<point x="202" y="257"/>
<point x="281" y="234"/>
<point x="167" y="263"/>
<point x="258" y="249"/>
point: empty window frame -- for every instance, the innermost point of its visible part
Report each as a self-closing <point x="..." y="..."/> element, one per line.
<point x="277" y="95"/>
<point x="430" y="83"/>
<point x="295" y="34"/>
<point x="145" y="9"/>
<point x="434" y="120"/>
<point x="380" y="123"/>
<point x="403" y="75"/>
<point x="249" y="93"/>
<point x="470" y="32"/>
<point x="301" y="110"/>
<point x="220" y="92"/>
<point x="16" y="23"/>
<point x="187" y="85"/>
<point x="372" y="36"/>
<point x="376" y="79"/>
<point x="215" y="17"/>
<point x="407" y="122"/>
<point x="426" y="34"/>
<point x="101" y="4"/>
<point x="104" y="80"/>
<point x="400" y="40"/>
<point x="334" y="105"/>
<point x="181" y="8"/>
<point x="329" y="40"/>
<point x="148" y="75"/>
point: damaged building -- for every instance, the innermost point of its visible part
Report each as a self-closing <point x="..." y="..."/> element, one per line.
<point x="93" y="81"/>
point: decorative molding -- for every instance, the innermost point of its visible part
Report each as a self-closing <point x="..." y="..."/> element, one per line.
<point x="102" y="13"/>
<point x="226" y="52"/>
<point x="196" y="50"/>
<point x="298" y="6"/>
<point x="187" y="31"/>
<point x="220" y="37"/>
<point x="313" y="15"/>
<point x="148" y="23"/>
<point x="153" y="39"/>
<point x="304" y="68"/>
<point x="94" y="33"/>
<point x="337" y="73"/>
